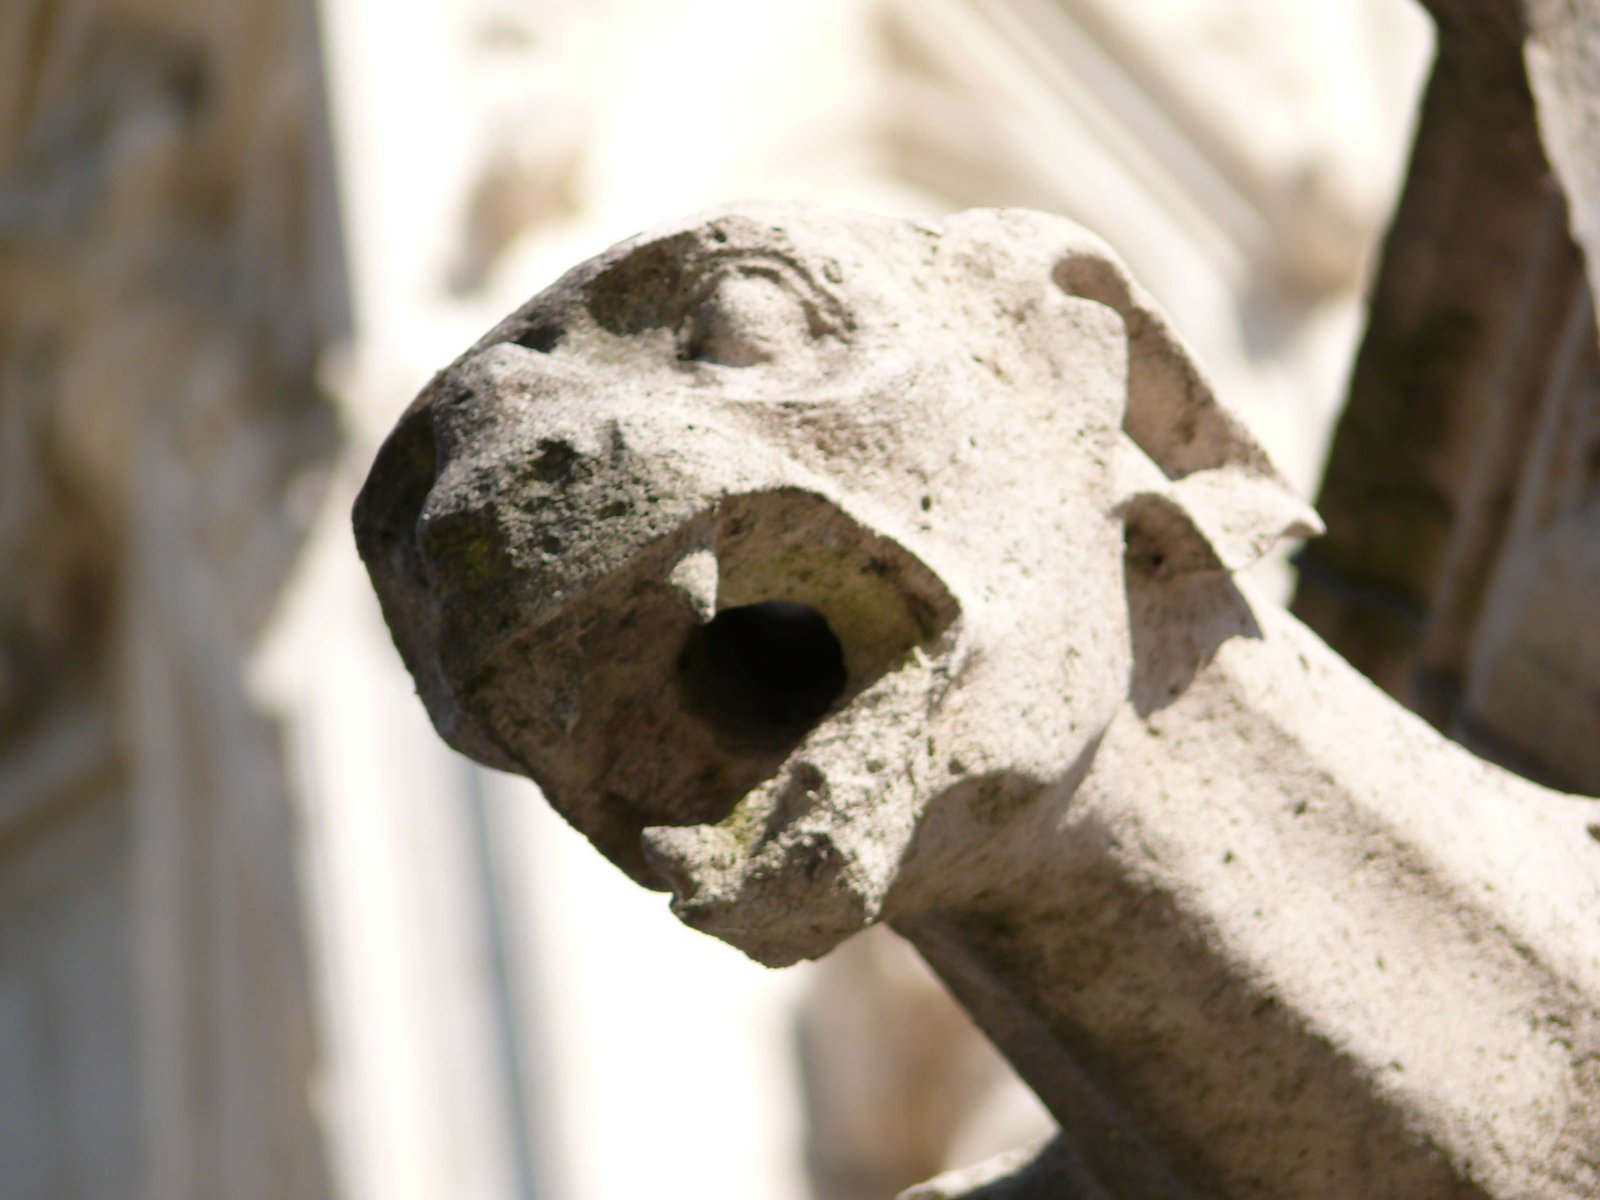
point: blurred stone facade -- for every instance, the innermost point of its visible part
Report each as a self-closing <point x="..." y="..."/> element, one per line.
<point x="1461" y="568"/>
<point x="162" y="302"/>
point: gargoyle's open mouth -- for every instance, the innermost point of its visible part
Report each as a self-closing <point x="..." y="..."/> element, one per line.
<point x="665" y="692"/>
<point x="761" y="675"/>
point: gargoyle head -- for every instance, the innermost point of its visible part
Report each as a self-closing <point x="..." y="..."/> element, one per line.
<point x="756" y="535"/>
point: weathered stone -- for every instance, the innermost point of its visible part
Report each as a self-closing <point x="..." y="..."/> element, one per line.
<point x="1462" y="343"/>
<point x="1245" y="926"/>
<point x="1464" y="469"/>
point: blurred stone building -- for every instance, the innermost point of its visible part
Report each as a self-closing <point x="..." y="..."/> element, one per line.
<point x="261" y="935"/>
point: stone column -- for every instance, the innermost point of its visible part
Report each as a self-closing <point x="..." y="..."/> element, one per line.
<point x="165" y="287"/>
<point x="1461" y="567"/>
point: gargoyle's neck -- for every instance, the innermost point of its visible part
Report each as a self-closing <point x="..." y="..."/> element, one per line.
<point x="1283" y="940"/>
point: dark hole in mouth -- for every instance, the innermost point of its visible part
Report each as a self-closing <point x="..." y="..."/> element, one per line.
<point x="762" y="674"/>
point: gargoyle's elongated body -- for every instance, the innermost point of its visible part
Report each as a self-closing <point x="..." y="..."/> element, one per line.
<point x="826" y="569"/>
<point x="1300" y="943"/>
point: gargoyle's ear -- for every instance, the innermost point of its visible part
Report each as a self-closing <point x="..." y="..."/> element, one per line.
<point x="1197" y="490"/>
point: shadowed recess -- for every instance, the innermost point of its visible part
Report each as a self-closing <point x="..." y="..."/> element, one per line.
<point x="763" y="674"/>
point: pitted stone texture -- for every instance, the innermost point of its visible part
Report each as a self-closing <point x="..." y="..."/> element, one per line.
<point x="827" y="569"/>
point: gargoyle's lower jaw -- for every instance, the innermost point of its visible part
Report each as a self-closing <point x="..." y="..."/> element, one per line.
<point x="694" y="690"/>
<point x="806" y="857"/>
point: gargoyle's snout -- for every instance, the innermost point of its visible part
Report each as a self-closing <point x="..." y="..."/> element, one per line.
<point x="645" y="645"/>
<point x="668" y="689"/>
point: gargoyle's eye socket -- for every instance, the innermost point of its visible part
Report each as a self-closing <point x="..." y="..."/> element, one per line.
<point x="752" y="311"/>
<point x="746" y="318"/>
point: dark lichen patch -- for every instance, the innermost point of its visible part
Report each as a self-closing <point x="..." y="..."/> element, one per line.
<point x="386" y="511"/>
<point x="554" y="462"/>
<point x="639" y="293"/>
<point x="464" y="547"/>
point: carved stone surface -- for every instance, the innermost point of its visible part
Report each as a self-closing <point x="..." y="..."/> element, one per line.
<point x="826" y="569"/>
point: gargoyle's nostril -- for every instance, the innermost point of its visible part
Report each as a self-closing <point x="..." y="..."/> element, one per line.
<point x="542" y="336"/>
<point x="763" y="673"/>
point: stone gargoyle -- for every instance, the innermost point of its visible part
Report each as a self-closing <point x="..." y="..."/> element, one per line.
<point x="826" y="569"/>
